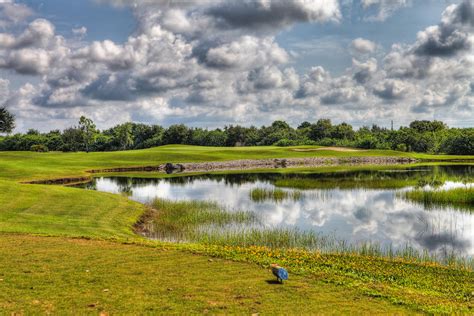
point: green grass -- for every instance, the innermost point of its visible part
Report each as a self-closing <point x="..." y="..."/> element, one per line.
<point x="61" y="211"/>
<point x="179" y="220"/>
<point x="41" y="275"/>
<point x="25" y="166"/>
<point x="72" y="276"/>
<point x="277" y="195"/>
<point x="458" y="197"/>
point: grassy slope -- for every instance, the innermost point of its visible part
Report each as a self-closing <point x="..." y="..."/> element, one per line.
<point x="55" y="210"/>
<point x="63" y="211"/>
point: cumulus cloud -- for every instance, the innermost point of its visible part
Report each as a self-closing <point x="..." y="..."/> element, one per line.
<point x="271" y="14"/>
<point x="197" y="61"/>
<point x="380" y="10"/>
<point x="391" y="89"/>
<point x="246" y="52"/>
<point x="363" y="46"/>
<point x="453" y="35"/>
<point x="13" y="13"/>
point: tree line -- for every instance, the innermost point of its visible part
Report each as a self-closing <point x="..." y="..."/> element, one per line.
<point x="420" y="136"/>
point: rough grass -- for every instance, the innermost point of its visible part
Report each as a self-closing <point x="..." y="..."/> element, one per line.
<point x="277" y="195"/>
<point x="458" y="197"/>
<point x="75" y="277"/>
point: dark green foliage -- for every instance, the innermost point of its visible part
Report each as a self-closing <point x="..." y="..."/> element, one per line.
<point x="7" y="121"/>
<point x="432" y="137"/>
<point x="39" y="148"/>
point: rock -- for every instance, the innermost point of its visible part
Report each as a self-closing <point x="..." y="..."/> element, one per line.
<point x="171" y="168"/>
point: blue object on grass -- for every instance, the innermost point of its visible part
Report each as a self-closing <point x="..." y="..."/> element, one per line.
<point x="279" y="272"/>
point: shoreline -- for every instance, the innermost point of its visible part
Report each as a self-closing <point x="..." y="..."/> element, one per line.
<point x="248" y="164"/>
<point x="233" y="165"/>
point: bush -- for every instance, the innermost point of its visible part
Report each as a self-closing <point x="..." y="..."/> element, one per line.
<point x="401" y="147"/>
<point x="285" y="142"/>
<point x="39" y="148"/>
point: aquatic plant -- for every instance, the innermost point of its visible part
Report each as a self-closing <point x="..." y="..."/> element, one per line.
<point x="209" y="224"/>
<point x="458" y="197"/>
<point x="278" y="195"/>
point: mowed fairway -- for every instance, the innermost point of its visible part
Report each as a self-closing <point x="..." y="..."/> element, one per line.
<point x="26" y="166"/>
<point x="111" y="270"/>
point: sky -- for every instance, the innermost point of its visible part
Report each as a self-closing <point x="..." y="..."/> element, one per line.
<point x="211" y="63"/>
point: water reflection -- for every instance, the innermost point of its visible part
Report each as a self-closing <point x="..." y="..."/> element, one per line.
<point x="354" y="206"/>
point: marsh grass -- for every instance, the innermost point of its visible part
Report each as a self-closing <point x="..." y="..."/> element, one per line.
<point x="459" y="197"/>
<point x="208" y="223"/>
<point x="178" y="220"/>
<point x="277" y="195"/>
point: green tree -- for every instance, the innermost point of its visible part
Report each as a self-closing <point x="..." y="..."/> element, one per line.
<point x="87" y="127"/>
<point x="72" y="139"/>
<point x="320" y="130"/>
<point x="123" y="135"/>
<point x="177" y="134"/>
<point x="7" y="121"/>
<point x="427" y="126"/>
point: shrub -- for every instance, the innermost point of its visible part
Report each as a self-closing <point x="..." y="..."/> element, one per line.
<point x="40" y="148"/>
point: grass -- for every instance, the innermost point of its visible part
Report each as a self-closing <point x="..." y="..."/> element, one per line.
<point x="41" y="275"/>
<point x="73" y="276"/>
<point x="277" y="195"/>
<point x="207" y="223"/>
<point x="27" y="166"/>
<point x="458" y="197"/>
<point x="61" y="211"/>
<point x="177" y="221"/>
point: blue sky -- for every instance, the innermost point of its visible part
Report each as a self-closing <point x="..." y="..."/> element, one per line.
<point x="211" y="63"/>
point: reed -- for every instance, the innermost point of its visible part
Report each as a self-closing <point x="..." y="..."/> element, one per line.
<point x="277" y="195"/>
<point x="208" y="223"/>
<point x="458" y="197"/>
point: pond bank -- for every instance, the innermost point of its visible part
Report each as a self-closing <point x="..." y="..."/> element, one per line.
<point x="233" y="165"/>
<point x="248" y="164"/>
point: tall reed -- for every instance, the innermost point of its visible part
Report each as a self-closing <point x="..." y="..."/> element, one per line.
<point x="277" y="195"/>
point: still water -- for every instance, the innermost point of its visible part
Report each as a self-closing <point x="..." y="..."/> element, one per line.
<point x="358" y="206"/>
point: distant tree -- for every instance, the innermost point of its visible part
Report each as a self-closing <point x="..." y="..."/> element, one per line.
<point x="305" y="124"/>
<point x="459" y="143"/>
<point x="7" y="121"/>
<point x="72" y="139"/>
<point x="342" y="131"/>
<point x="177" y="134"/>
<point x="236" y="135"/>
<point x="427" y="126"/>
<point x="123" y="135"/>
<point x="320" y="130"/>
<point x="280" y="125"/>
<point x="87" y="127"/>
<point x="32" y="131"/>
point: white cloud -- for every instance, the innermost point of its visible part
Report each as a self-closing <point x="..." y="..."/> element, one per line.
<point x="363" y="46"/>
<point x="194" y="61"/>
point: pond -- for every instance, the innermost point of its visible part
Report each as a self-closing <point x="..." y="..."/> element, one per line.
<point x="354" y="206"/>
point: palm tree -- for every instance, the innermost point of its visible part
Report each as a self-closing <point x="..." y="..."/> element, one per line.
<point x="7" y="121"/>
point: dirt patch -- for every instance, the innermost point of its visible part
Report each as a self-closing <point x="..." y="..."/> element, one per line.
<point x="341" y="149"/>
